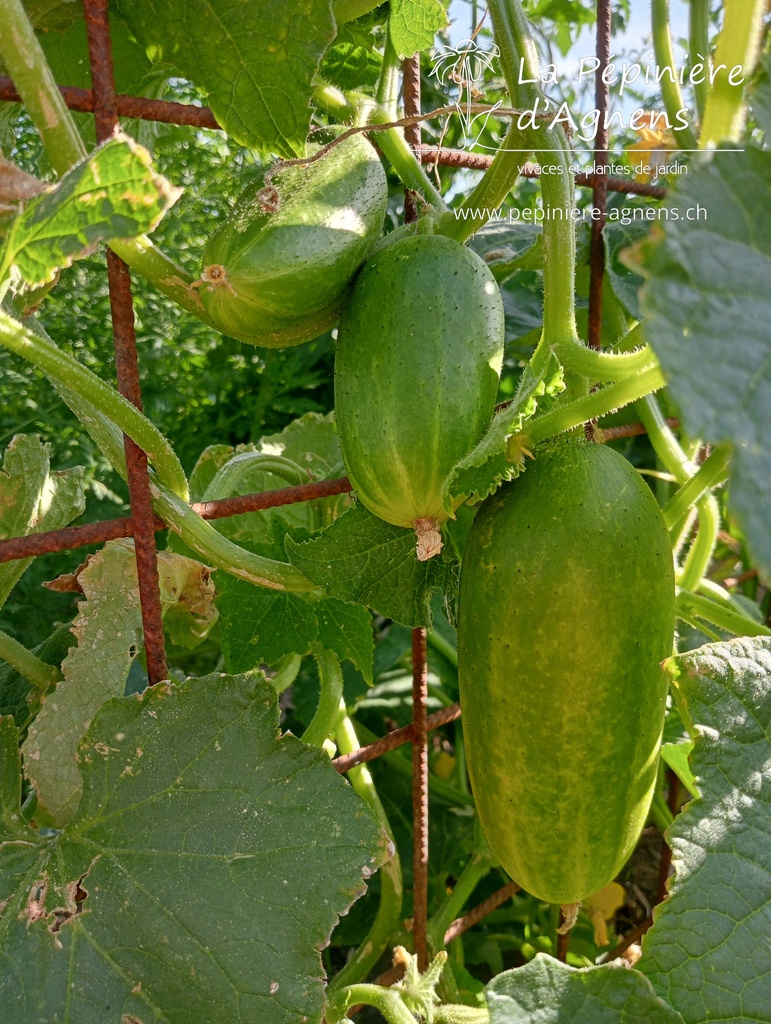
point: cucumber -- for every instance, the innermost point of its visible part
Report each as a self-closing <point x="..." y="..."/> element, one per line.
<point x="566" y="609"/>
<point x="277" y="271"/>
<point x="419" y="354"/>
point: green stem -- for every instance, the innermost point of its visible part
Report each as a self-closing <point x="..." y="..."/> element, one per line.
<point x="670" y="84"/>
<point x="698" y="45"/>
<point x="664" y="442"/>
<point x="695" y="606"/>
<point x="738" y="46"/>
<point x="322" y="725"/>
<point x="589" y="407"/>
<point x="659" y="813"/>
<point x="692" y="621"/>
<point x="388" y="919"/>
<point x="489" y="193"/>
<point x="386" y="1000"/>
<point x="605" y="366"/>
<point x="216" y="550"/>
<point x="197" y="533"/>
<point x="44" y="677"/>
<point x="475" y="870"/>
<point x="515" y="43"/>
<point x="286" y="672"/>
<point x="391" y="140"/>
<point x="388" y="86"/>
<point x="711" y="473"/>
<point x="147" y="260"/>
<point x="26" y="64"/>
<point x="443" y="647"/>
<point x="703" y="546"/>
<point x="720" y="594"/>
<point x="59" y="366"/>
<point x="404" y="162"/>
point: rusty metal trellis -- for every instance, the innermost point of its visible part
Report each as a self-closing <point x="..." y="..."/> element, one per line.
<point x="143" y="523"/>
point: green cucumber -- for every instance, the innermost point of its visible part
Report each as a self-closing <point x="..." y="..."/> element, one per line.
<point x="566" y="610"/>
<point x="419" y="354"/>
<point x="277" y="271"/>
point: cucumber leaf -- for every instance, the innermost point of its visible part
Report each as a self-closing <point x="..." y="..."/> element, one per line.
<point x="256" y="64"/>
<point x="114" y="193"/>
<point x="708" y="303"/>
<point x="548" y="992"/>
<point x="706" y="952"/>
<point x="414" y="23"/>
<point x="491" y="462"/>
<point x="206" y="867"/>
<point x="363" y="560"/>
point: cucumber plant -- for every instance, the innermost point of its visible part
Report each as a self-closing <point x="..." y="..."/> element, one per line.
<point x="176" y="852"/>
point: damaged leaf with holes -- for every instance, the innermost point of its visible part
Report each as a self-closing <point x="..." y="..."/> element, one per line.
<point x="205" y="868"/>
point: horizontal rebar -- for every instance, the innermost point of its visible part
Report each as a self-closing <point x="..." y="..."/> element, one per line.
<point x="110" y="529"/>
<point x="394" y="739"/>
<point x="82" y="101"/>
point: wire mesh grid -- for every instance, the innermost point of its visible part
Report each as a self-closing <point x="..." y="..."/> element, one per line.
<point x="144" y="523"/>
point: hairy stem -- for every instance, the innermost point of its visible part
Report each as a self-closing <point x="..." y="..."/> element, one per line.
<point x="323" y="723"/>
<point x="711" y="473"/>
<point x="23" y="57"/>
<point x="670" y="84"/>
<point x="386" y="1000"/>
<point x="664" y="442"/>
<point x="599" y="403"/>
<point x="738" y="47"/>
<point x="59" y="366"/>
<point x="216" y="550"/>
<point x="477" y="866"/>
<point x="703" y="546"/>
<point x="698" y="46"/>
<point x="388" y="919"/>
<point x="692" y="606"/>
<point x="42" y="676"/>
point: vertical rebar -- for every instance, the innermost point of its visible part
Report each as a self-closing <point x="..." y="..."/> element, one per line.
<point x="126" y="366"/>
<point x="600" y="189"/>
<point x="411" y="89"/>
<point x="420" y="795"/>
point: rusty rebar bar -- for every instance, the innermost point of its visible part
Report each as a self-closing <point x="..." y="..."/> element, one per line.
<point x="479" y="912"/>
<point x="481" y="161"/>
<point x="411" y="93"/>
<point x="600" y="187"/>
<point x="126" y="363"/>
<point x="167" y="111"/>
<point x="70" y="537"/>
<point x="394" y="739"/>
<point x="628" y="940"/>
<point x="420" y="795"/>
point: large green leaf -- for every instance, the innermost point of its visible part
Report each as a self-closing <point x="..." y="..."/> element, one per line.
<point x="708" y="301"/>
<point x="207" y="865"/>
<point x="707" y="952"/>
<point x="256" y="63"/>
<point x="548" y="992"/>
<point x="114" y="193"/>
